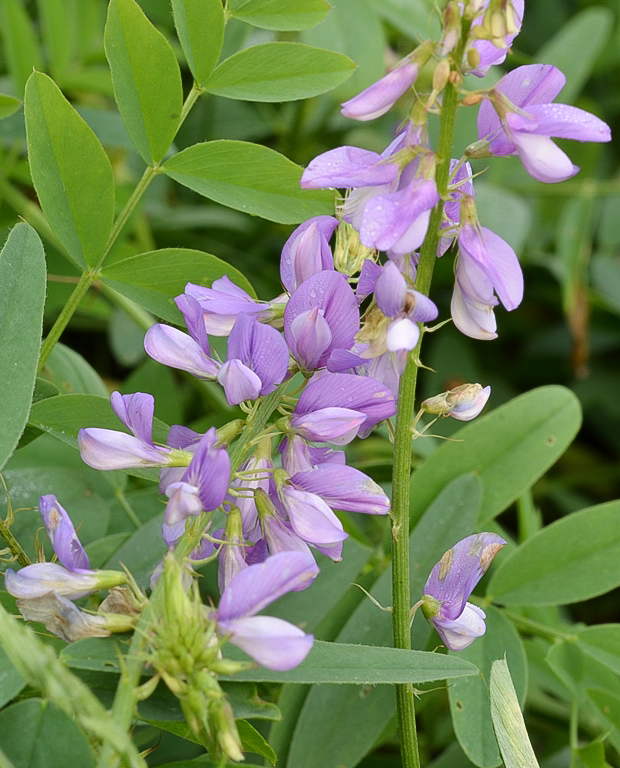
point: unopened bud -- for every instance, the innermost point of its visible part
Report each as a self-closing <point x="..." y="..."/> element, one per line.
<point x="473" y="58"/>
<point x="462" y="403"/>
<point x="441" y="75"/>
<point x="478" y="149"/>
<point x="471" y="99"/>
<point x="456" y="78"/>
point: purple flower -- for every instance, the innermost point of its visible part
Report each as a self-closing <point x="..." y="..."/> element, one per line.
<point x="379" y="97"/>
<point x="321" y="315"/>
<point x="346" y="167"/>
<point x="307" y="251"/>
<point x="346" y="390"/>
<point x="38" y="579"/>
<point x="272" y="642"/>
<point x="493" y="51"/>
<point x="257" y="361"/>
<point x="223" y="302"/>
<point x="398" y="221"/>
<point x="451" y="582"/>
<point x="521" y="120"/>
<point x="312" y="519"/>
<point x="109" y="449"/>
<point x="486" y="265"/>
<point x="299" y="455"/>
<point x="204" y="483"/>
<point x="176" y="349"/>
<point x="63" y="537"/>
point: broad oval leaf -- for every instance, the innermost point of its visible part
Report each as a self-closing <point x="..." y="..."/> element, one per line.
<point x="70" y="170"/>
<point x="509" y="449"/>
<point x="279" y="72"/>
<point x="35" y="734"/>
<point x="146" y="79"/>
<point x="22" y="297"/>
<point x="280" y="14"/>
<point x="200" y="26"/>
<point x="11" y="681"/>
<point x="469" y="699"/>
<point x="360" y="665"/>
<point x="250" y="178"/>
<point x="573" y="559"/>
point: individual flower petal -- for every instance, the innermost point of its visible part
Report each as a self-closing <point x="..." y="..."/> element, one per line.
<point x="136" y="412"/>
<point x="38" y="579"/>
<point x="379" y="97"/>
<point x="399" y="220"/>
<point x="461" y="633"/>
<point x="343" y="487"/>
<point x="346" y="167"/>
<point x="472" y="318"/>
<point x="239" y="382"/>
<point x="61" y="532"/>
<point x="108" y="449"/>
<point x="176" y="349"/>
<point x="329" y="293"/>
<point x="497" y="260"/>
<point x="543" y="159"/>
<point x="274" y="643"/>
<point x="311" y="518"/>
<point x="257" y="586"/>
<point x="345" y="390"/>
<point x="223" y="303"/>
<point x="330" y="425"/>
<point x="390" y="290"/>
<point x="307" y="251"/>
<point x="402" y="334"/>
<point x="61" y="617"/>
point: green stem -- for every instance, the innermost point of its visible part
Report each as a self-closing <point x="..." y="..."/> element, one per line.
<point x="80" y="290"/>
<point x="401" y="598"/>
<point x="536" y="628"/>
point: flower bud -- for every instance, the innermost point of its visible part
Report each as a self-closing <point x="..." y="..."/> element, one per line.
<point x="462" y="403"/>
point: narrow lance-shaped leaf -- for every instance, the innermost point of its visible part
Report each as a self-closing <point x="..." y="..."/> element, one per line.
<point x="279" y="72"/>
<point x="469" y="699"/>
<point x="70" y="170"/>
<point x="280" y="14"/>
<point x="59" y="34"/>
<point x="514" y="743"/>
<point x="573" y="559"/>
<point x="200" y="26"/>
<point x="146" y="78"/>
<point x="250" y="178"/>
<point x="22" y="296"/>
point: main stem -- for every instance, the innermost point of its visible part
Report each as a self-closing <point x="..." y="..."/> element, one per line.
<point x="401" y="599"/>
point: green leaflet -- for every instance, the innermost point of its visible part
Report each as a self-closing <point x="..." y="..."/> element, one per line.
<point x="573" y="559"/>
<point x="200" y="27"/>
<point x="70" y="170"/>
<point x="22" y="296"/>
<point x="146" y="78"/>
<point x="250" y="178"/>
<point x="514" y="743"/>
<point x="279" y="72"/>
<point x="280" y="14"/>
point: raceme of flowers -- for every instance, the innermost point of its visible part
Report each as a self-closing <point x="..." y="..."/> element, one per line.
<point x="344" y="326"/>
